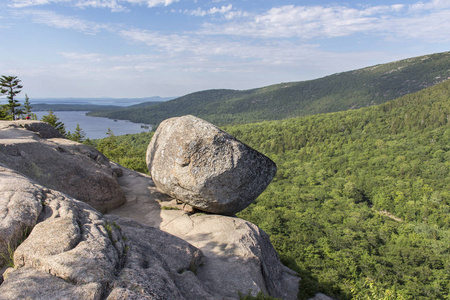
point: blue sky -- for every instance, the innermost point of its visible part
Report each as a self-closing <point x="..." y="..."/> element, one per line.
<point x="143" y="48"/>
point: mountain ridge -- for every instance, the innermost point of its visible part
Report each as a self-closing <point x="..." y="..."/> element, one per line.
<point x="341" y="91"/>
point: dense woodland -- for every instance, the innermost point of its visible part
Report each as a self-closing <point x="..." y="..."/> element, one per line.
<point x="360" y="206"/>
<point x="338" y="92"/>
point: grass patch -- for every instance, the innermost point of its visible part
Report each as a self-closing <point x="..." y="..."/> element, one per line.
<point x="259" y="296"/>
<point x="9" y="256"/>
<point x="169" y="208"/>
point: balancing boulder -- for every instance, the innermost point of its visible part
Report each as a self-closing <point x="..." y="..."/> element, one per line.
<point x="199" y="164"/>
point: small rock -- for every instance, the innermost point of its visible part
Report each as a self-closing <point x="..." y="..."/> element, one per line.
<point x="198" y="163"/>
<point x="42" y="129"/>
<point x="117" y="171"/>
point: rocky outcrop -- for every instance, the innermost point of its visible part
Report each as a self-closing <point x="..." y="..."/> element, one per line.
<point x="158" y="265"/>
<point x="199" y="164"/>
<point x="148" y="248"/>
<point x="68" y="248"/>
<point x="38" y="151"/>
<point x="74" y="252"/>
<point x="238" y="256"/>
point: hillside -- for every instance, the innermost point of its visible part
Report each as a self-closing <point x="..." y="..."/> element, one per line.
<point x="338" y="92"/>
<point x="360" y="204"/>
<point x="361" y="197"/>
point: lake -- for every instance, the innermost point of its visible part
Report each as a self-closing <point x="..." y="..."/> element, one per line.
<point x="95" y="127"/>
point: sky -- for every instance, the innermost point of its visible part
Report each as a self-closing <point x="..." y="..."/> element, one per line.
<point x="169" y="48"/>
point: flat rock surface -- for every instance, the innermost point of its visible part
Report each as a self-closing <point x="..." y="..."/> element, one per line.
<point x="142" y="197"/>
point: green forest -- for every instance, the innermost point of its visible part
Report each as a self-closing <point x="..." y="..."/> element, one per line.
<point x="360" y="205"/>
<point x="348" y="90"/>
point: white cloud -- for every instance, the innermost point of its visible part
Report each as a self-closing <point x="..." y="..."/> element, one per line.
<point x="151" y="3"/>
<point x="53" y="19"/>
<point x="433" y="27"/>
<point x="308" y="22"/>
<point x="26" y="3"/>
<point x="110" y="4"/>
<point x="305" y="22"/>
<point x="161" y="42"/>
<point x="221" y="10"/>
<point x="114" y="5"/>
<point x="215" y="10"/>
<point x="431" y="5"/>
<point x="207" y="51"/>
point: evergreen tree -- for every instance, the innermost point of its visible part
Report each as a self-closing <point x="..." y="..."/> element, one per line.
<point x="10" y="86"/>
<point x="3" y="112"/>
<point x="53" y="120"/>
<point x="78" y="136"/>
<point x="27" y="107"/>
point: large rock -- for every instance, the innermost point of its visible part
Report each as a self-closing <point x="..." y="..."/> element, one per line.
<point x="158" y="266"/>
<point x="238" y="256"/>
<point x="74" y="252"/>
<point x="69" y="246"/>
<point x="197" y="163"/>
<point x="38" y="151"/>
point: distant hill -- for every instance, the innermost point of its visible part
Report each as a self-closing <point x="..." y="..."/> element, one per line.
<point x="124" y="102"/>
<point x="85" y="107"/>
<point x="93" y="104"/>
<point x="348" y="90"/>
<point x="72" y="107"/>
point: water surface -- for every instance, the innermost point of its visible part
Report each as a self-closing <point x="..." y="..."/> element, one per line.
<point x="95" y="127"/>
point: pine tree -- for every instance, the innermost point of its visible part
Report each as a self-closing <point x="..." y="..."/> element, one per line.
<point x="78" y="136"/>
<point x="53" y="120"/>
<point x="10" y="86"/>
<point x="27" y="107"/>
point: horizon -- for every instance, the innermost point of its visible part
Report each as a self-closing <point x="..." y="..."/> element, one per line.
<point x="136" y="48"/>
